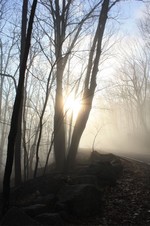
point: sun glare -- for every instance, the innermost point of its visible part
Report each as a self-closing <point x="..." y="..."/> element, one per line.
<point x="72" y="106"/>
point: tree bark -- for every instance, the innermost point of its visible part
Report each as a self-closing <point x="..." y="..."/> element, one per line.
<point x="59" y="127"/>
<point x="18" y="178"/>
<point x="78" y="129"/>
<point x="90" y="85"/>
<point x="15" y="116"/>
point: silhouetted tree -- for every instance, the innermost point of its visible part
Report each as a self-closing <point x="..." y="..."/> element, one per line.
<point x="89" y="83"/>
<point x="19" y="132"/>
<point x="15" y="115"/>
<point x="61" y="15"/>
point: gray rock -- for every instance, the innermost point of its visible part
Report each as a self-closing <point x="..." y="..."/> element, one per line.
<point x="47" y="184"/>
<point x="15" y="217"/>
<point x="46" y="200"/>
<point x="97" y="157"/>
<point x="80" y="200"/>
<point x="85" y="179"/>
<point x="117" y="166"/>
<point x="35" y="210"/>
<point x="53" y="219"/>
<point x="107" y="167"/>
<point x="104" y="172"/>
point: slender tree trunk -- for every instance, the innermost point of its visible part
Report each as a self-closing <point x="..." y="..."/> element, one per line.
<point x="59" y="127"/>
<point x="26" y="159"/>
<point x="48" y="89"/>
<point x="90" y="85"/>
<point x="38" y="143"/>
<point x="32" y="153"/>
<point x="3" y="133"/>
<point x="18" y="178"/>
<point x="49" y="151"/>
<point x="15" y="116"/>
<point x="78" y="129"/>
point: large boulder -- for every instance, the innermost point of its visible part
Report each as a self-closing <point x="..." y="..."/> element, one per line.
<point x="107" y="167"/>
<point x="104" y="172"/>
<point x="80" y="200"/>
<point x="16" y="217"/>
<point x="98" y="157"/>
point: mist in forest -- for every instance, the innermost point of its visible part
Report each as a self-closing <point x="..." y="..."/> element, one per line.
<point x="117" y="120"/>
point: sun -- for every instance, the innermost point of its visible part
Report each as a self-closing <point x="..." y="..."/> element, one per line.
<point x="72" y="106"/>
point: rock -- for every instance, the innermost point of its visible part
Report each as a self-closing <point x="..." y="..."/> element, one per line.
<point x="47" y="200"/>
<point x="47" y="184"/>
<point x="35" y="210"/>
<point x="107" y="167"/>
<point x="104" y="172"/>
<point x="15" y="217"/>
<point x="52" y="219"/>
<point x="80" y="200"/>
<point x="117" y="166"/>
<point x="97" y="157"/>
<point x="85" y="179"/>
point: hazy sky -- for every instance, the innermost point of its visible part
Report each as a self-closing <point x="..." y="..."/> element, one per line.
<point x="130" y="13"/>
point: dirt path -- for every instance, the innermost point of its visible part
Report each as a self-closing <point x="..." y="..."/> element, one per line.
<point x="128" y="203"/>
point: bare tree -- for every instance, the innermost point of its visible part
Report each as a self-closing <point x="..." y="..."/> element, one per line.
<point x="60" y="21"/>
<point x="144" y="25"/>
<point x="60" y="17"/>
<point x="133" y="88"/>
<point x="8" y="50"/>
<point x="18" y="177"/>
<point x="89" y="83"/>
<point x="15" y="114"/>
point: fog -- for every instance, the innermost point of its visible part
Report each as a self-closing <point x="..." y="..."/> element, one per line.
<point x="119" y="119"/>
<point x="112" y="130"/>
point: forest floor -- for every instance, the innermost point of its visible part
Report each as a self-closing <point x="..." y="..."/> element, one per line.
<point x="127" y="203"/>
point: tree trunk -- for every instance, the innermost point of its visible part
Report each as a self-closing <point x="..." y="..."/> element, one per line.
<point x="90" y="85"/>
<point x="15" y="116"/>
<point x="19" y="132"/>
<point x="59" y="128"/>
<point x="61" y="20"/>
<point x="18" y="178"/>
<point x="78" y="129"/>
<point x="3" y="134"/>
<point x="49" y="152"/>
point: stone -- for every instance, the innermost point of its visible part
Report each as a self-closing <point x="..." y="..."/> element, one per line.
<point x="42" y="186"/>
<point x="104" y="172"/>
<point x="53" y="219"/>
<point x="80" y="200"/>
<point x="47" y="200"/>
<point x="85" y="179"/>
<point x="16" y="217"/>
<point x="35" y="210"/>
<point x="107" y="168"/>
<point x="117" y="166"/>
<point x="97" y="157"/>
